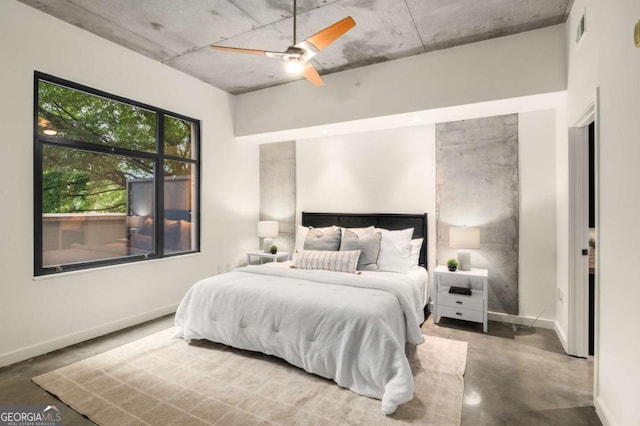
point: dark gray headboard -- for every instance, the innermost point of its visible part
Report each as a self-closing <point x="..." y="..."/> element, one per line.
<point x="390" y="221"/>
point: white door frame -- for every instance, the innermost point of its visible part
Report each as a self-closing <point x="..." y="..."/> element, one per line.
<point x="578" y="297"/>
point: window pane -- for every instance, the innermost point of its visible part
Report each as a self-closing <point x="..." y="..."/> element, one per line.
<point x="75" y="115"/>
<point x="99" y="193"/>
<point x="178" y="135"/>
<point x="179" y="206"/>
<point x="85" y="205"/>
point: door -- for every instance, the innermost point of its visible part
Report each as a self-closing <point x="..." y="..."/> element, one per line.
<point x="578" y="333"/>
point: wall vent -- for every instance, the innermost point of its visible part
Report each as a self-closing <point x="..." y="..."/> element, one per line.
<point x="581" y="27"/>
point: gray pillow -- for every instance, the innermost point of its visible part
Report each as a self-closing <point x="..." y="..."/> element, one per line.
<point x="367" y="243"/>
<point x="327" y="239"/>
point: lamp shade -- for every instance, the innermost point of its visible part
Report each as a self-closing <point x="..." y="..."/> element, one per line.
<point x="463" y="237"/>
<point x="268" y="229"/>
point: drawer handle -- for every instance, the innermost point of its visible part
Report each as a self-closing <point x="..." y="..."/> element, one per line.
<point x="458" y="313"/>
<point x="459" y="302"/>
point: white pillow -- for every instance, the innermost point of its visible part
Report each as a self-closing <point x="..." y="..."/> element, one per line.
<point x="416" y="246"/>
<point x="301" y="234"/>
<point x="395" y="250"/>
<point x="337" y="261"/>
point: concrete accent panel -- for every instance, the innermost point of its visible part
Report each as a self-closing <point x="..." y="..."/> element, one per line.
<point x="477" y="184"/>
<point x="278" y="189"/>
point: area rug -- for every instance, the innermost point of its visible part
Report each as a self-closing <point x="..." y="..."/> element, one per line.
<point x="158" y="380"/>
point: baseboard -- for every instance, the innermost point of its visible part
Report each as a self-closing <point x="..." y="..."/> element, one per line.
<point x="603" y="412"/>
<point x="31" y="351"/>
<point x="521" y="320"/>
<point x="562" y="337"/>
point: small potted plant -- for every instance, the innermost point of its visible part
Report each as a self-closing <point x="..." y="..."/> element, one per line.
<point x="273" y="249"/>
<point x="452" y="264"/>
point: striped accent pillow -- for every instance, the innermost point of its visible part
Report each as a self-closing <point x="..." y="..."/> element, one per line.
<point x="337" y="261"/>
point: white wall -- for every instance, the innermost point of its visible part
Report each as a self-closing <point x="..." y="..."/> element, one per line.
<point x="39" y="315"/>
<point x="607" y="59"/>
<point x="562" y="225"/>
<point x="394" y="171"/>
<point x="537" y="252"/>
<point x="389" y="171"/>
<point x="524" y="64"/>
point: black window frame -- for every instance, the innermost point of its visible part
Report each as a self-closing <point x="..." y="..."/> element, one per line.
<point x="159" y="157"/>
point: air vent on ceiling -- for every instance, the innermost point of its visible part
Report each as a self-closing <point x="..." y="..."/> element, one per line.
<point x="581" y="27"/>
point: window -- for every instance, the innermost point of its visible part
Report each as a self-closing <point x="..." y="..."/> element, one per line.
<point x="115" y="180"/>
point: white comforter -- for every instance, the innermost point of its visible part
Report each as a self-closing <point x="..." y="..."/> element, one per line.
<point x="346" y="327"/>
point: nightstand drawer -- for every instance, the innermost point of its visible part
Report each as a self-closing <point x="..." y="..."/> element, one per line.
<point x="475" y="301"/>
<point x="460" y="313"/>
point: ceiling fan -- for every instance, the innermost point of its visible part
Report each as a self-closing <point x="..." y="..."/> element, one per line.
<point x="297" y="57"/>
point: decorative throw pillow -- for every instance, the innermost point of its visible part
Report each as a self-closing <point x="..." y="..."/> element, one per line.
<point x="369" y="245"/>
<point x="395" y="250"/>
<point x="323" y="239"/>
<point x="337" y="261"/>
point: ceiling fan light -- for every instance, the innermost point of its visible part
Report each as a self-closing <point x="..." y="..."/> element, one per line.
<point x="294" y="66"/>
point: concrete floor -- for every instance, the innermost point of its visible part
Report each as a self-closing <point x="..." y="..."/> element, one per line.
<point x="519" y="377"/>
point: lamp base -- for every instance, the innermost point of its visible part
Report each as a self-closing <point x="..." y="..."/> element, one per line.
<point x="464" y="259"/>
<point x="266" y="244"/>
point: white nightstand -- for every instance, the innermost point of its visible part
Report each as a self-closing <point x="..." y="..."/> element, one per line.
<point x="468" y="308"/>
<point x="281" y="255"/>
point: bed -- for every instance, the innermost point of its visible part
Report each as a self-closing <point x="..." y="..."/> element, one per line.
<point x="348" y="327"/>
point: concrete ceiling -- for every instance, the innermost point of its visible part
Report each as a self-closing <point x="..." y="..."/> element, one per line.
<point x="178" y="32"/>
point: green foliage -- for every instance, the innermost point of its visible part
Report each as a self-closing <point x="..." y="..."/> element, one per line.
<point x="104" y="180"/>
<point x="64" y="192"/>
<point x="273" y="248"/>
<point x="76" y="180"/>
<point x="177" y="137"/>
<point x="83" y="117"/>
<point x="452" y="264"/>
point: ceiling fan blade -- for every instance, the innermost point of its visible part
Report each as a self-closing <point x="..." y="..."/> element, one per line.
<point x="311" y="74"/>
<point x="323" y="38"/>
<point x="251" y="51"/>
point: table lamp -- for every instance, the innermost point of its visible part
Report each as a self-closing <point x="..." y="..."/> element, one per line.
<point x="464" y="238"/>
<point x="268" y="230"/>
